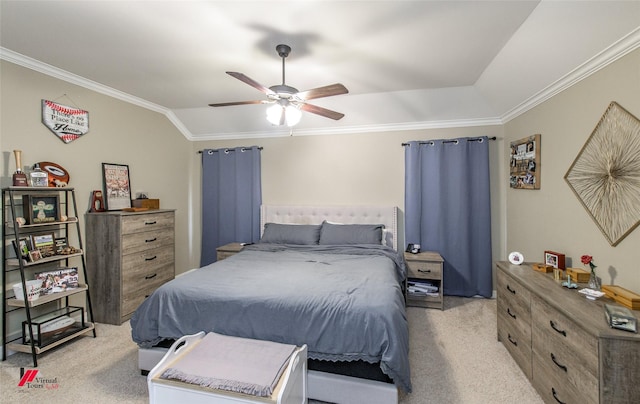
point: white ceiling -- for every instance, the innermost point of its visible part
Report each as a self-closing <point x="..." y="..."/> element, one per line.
<point x="407" y="64"/>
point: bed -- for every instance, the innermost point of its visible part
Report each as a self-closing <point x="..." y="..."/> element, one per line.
<point x="333" y="282"/>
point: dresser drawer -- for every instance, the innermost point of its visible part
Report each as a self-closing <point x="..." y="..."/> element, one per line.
<point x="513" y="299"/>
<point x="130" y="302"/>
<point x="157" y="237"/>
<point x="137" y="266"/>
<point x="551" y="384"/>
<point x="137" y="223"/>
<point x="565" y="350"/>
<point x="424" y="270"/>
<point x="518" y="344"/>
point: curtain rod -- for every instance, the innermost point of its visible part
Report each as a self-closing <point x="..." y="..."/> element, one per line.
<point x="471" y="139"/>
<point x="227" y="150"/>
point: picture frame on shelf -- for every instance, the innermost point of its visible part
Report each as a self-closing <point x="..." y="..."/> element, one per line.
<point x="44" y="243"/>
<point x="60" y="244"/>
<point x="22" y="248"/>
<point x="117" y="186"/>
<point x="35" y="255"/>
<point x="41" y="209"/>
<point x="555" y="259"/>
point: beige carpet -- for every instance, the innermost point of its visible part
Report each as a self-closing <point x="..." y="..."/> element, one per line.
<point x="455" y="358"/>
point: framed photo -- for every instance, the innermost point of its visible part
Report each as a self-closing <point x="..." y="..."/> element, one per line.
<point x="554" y="259"/>
<point x="117" y="187"/>
<point x="22" y="248"/>
<point x="60" y="244"/>
<point x="524" y="166"/>
<point x="35" y="255"/>
<point x="40" y="209"/>
<point x="44" y="243"/>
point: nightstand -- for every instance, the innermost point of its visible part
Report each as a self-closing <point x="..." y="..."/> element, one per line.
<point x="228" y="250"/>
<point x="423" y="269"/>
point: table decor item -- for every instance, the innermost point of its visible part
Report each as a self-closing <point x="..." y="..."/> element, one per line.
<point x="117" y="186"/>
<point x="38" y="177"/>
<point x="591" y="294"/>
<point x="19" y="177"/>
<point x="621" y="318"/>
<point x="555" y="259"/>
<point x="623" y="296"/>
<point x="516" y="258"/>
<point x="579" y="274"/>
<point x="594" y="282"/>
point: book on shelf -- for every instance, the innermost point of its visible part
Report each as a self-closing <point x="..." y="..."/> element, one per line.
<point x="58" y="280"/>
<point x="422" y="288"/>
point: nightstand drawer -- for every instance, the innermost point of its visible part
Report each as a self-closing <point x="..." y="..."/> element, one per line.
<point x="424" y="270"/>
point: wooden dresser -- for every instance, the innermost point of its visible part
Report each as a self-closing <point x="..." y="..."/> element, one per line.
<point x="562" y="342"/>
<point x="129" y="255"/>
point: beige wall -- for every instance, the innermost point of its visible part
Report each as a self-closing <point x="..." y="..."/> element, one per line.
<point x="119" y="132"/>
<point x="552" y="218"/>
<point x="362" y="169"/>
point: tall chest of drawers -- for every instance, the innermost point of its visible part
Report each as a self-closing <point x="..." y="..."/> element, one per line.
<point x="129" y="255"/>
<point x="561" y="340"/>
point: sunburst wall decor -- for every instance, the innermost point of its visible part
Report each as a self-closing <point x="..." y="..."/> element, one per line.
<point x="605" y="176"/>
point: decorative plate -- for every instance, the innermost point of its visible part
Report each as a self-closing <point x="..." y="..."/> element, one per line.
<point x="516" y="258"/>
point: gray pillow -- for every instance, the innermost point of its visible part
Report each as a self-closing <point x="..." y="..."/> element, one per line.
<point x="275" y="233"/>
<point x="335" y="234"/>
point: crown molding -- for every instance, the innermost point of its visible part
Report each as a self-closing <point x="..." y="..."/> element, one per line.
<point x="624" y="46"/>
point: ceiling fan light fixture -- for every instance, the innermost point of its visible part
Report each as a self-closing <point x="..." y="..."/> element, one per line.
<point x="279" y="114"/>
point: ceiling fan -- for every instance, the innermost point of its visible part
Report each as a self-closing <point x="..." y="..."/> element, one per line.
<point x="288" y="101"/>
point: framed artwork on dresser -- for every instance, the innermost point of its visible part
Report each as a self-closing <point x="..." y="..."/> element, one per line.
<point x="117" y="186"/>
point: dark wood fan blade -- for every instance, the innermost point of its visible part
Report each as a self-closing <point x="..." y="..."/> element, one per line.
<point x="326" y="91"/>
<point x="251" y="82"/>
<point x="314" y="109"/>
<point x="227" y="104"/>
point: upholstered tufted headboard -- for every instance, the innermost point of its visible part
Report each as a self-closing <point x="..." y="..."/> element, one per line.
<point x="291" y="214"/>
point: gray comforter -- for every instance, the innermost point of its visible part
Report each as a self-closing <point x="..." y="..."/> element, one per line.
<point x="344" y="302"/>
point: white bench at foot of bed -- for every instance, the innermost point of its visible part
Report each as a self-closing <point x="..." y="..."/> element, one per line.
<point x="320" y="385"/>
<point x="290" y="389"/>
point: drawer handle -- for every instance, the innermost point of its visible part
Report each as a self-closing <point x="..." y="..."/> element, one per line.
<point x="511" y="290"/>
<point x="510" y="313"/>
<point x="514" y="342"/>
<point x="424" y="271"/>
<point x="150" y="276"/>
<point x="149" y="223"/>
<point x="553" y="358"/>
<point x="151" y="240"/>
<point x="151" y="259"/>
<point x="553" y="325"/>
<point x="555" y="395"/>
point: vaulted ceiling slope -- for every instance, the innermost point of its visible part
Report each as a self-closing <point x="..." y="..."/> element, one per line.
<point x="407" y="64"/>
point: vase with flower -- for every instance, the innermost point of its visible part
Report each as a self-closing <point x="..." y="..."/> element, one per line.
<point x="594" y="282"/>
